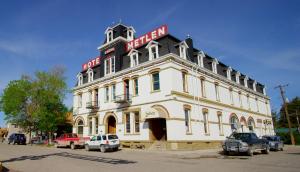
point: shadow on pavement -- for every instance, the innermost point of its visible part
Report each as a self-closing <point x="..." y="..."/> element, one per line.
<point x="74" y="156"/>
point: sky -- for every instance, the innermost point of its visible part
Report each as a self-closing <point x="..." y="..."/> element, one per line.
<point x="258" y="38"/>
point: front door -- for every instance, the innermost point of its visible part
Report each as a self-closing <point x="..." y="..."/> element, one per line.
<point x="158" y="130"/>
<point x="111" y="125"/>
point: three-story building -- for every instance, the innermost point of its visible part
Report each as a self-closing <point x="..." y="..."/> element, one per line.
<point x="158" y="91"/>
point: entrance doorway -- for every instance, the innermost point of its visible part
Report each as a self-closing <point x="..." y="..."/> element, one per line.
<point x="111" y="125"/>
<point x="158" y="130"/>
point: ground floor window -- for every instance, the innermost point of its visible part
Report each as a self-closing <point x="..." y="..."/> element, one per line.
<point x="187" y="120"/>
<point x="80" y="127"/>
<point x="136" y="122"/>
<point x="127" y="121"/>
<point x="205" y="122"/>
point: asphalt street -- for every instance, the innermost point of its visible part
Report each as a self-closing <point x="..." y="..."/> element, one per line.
<point x="37" y="158"/>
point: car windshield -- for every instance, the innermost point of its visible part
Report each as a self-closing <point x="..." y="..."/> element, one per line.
<point x="240" y="136"/>
<point x="111" y="137"/>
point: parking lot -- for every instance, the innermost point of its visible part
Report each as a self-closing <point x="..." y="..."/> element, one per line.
<point x="37" y="158"/>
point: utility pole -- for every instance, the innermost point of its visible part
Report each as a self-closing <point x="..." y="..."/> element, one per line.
<point x="281" y="88"/>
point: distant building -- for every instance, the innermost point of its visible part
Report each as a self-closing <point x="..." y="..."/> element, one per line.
<point x="156" y="90"/>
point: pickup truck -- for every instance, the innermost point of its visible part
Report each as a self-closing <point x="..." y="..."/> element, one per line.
<point x="245" y="143"/>
<point x="70" y="140"/>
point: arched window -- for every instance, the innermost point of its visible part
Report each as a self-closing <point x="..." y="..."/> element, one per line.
<point x="251" y="124"/>
<point x="234" y="121"/>
<point x="80" y="127"/>
<point x="243" y="124"/>
<point x="79" y="79"/>
<point x="90" y="74"/>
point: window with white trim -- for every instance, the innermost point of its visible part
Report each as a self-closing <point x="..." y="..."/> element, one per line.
<point x="109" y="65"/>
<point x="187" y="118"/>
<point x="251" y="125"/>
<point x="214" y="65"/>
<point x="109" y="35"/>
<point x="217" y="91"/>
<point x="106" y="94"/>
<point x="248" y="101"/>
<point x="240" y="99"/>
<point x="136" y="122"/>
<point x="183" y="50"/>
<point x="113" y="91"/>
<point x="184" y="82"/>
<point x="155" y="81"/>
<point x="205" y="122"/>
<point x="231" y="96"/>
<point x="134" y="59"/>
<point x="153" y="50"/>
<point x="80" y="100"/>
<point x="135" y="87"/>
<point x="79" y="79"/>
<point x="234" y="122"/>
<point x="220" y="124"/>
<point x="127" y="123"/>
<point x="200" y="57"/>
<point x="90" y="74"/>
<point x="202" y="84"/>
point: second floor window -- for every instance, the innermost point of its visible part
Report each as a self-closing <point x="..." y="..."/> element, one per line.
<point x="134" y="59"/>
<point x="205" y="122"/>
<point x="184" y="82"/>
<point x="113" y="92"/>
<point x="217" y="91"/>
<point x="155" y="81"/>
<point x="109" y="65"/>
<point x="79" y="100"/>
<point x="135" y="87"/>
<point x="106" y="94"/>
<point x="202" y="84"/>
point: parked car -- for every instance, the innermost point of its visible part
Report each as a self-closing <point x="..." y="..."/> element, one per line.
<point x="17" y="138"/>
<point x="70" y="140"/>
<point x="275" y="142"/>
<point x="103" y="142"/>
<point x="245" y="143"/>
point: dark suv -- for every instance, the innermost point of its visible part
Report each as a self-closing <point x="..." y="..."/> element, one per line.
<point x="245" y="142"/>
<point x="17" y="138"/>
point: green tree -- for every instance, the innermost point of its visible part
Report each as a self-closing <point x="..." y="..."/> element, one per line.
<point x="293" y="106"/>
<point x="17" y="105"/>
<point x="49" y="92"/>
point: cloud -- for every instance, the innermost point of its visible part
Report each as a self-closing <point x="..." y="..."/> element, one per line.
<point x="163" y="16"/>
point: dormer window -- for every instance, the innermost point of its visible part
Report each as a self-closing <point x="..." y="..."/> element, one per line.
<point x="228" y="72"/>
<point x="264" y="90"/>
<point x="79" y="79"/>
<point x="214" y="65"/>
<point x="246" y="81"/>
<point x="134" y="57"/>
<point x="90" y="74"/>
<point x="130" y="33"/>
<point x="254" y="85"/>
<point x="237" y="77"/>
<point x="183" y="50"/>
<point x="200" y="57"/>
<point x="109" y="65"/>
<point x="109" y="34"/>
<point x="153" y="50"/>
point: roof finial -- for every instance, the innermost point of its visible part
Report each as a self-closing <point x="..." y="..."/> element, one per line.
<point x="188" y="36"/>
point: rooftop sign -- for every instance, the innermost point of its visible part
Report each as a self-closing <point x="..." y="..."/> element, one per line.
<point x="144" y="39"/>
<point x="91" y="63"/>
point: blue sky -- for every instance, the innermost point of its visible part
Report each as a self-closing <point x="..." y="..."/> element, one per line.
<point x="259" y="38"/>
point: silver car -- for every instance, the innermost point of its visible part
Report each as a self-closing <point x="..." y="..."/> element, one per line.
<point x="275" y="143"/>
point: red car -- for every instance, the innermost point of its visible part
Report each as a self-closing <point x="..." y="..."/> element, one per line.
<point x="70" y="140"/>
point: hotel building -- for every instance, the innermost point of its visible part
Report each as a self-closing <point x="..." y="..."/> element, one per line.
<point x="159" y="92"/>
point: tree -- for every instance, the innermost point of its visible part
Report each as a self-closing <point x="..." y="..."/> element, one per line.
<point x="49" y="91"/>
<point x="17" y="105"/>
<point x="292" y="107"/>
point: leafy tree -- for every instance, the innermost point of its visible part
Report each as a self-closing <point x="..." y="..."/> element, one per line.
<point x="49" y="91"/>
<point x="17" y="104"/>
<point x="293" y="106"/>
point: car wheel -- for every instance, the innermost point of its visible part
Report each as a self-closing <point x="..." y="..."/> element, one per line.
<point x="226" y="152"/>
<point x="116" y="149"/>
<point x="266" y="151"/>
<point x="87" y="147"/>
<point x="72" y="146"/>
<point x="281" y="149"/>
<point x="102" y="149"/>
<point x="250" y="152"/>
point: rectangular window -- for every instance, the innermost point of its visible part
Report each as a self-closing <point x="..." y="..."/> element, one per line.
<point x="135" y="87"/>
<point x="113" y="92"/>
<point x="220" y="124"/>
<point x="257" y="105"/>
<point x="248" y="102"/>
<point x="90" y="127"/>
<point x="134" y="60"/>
<point x="202" y="83"/>
<point x="136" y="122"/>
<point x="187" y="120"/>
<point x="79" y="100"/>
<point x="205" y="122"/>
<point x="155" y="80"/>
<point x="106" y="94"/>
<point x="184" y="82"/>
<point x="127" y="121"/>
<point x="217" y="92"/>
<point x="109" y="65"/>
<point x="240" y="99"/>
<point x="153" y="51"/>
<point x="231" y="96"/>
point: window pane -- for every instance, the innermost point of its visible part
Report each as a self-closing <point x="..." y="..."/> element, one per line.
<point x="137" y="122"/>
<point x="156" y="85"/>
<point x="136" y="87"/>
<point x="187" y="120"/>
<point x="128" y="123"/>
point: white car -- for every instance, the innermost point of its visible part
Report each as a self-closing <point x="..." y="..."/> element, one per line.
<point x="103" y="142"/>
